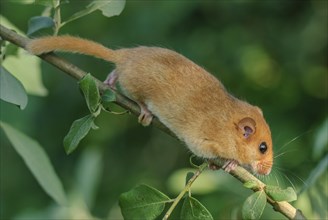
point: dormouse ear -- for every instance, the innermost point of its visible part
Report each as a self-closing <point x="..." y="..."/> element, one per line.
<point x="247" y="126"/>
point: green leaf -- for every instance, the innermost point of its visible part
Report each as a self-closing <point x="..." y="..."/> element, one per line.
<point x="279" y="195"/>
<point x="11" y="89"/>
<point x="77" y="132"/>
<point x="193" y="209"/>
<point x="189" y="176"/>
<point x="7" y="49"/>
<point x="254" y="205"/>
<point x="109" y="8"/>
<point x="251" y="184"/>
<point x="108" y="96"/>
<point x="37" y="161"/>
<point x="39" y="22"/>
<point x="142" y="202"/>
<point x="91" y="93"/>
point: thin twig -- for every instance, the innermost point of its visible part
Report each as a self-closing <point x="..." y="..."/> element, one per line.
<point x="239" y="173"/>
<point x="185" y="190"/>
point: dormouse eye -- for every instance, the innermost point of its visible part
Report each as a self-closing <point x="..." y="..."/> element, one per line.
<point x="263" y="147"/>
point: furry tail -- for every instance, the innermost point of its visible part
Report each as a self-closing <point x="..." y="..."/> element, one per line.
<point x="71" y="44"/>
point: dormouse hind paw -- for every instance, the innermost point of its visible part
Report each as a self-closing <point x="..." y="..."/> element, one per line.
<point x="145" y="116"/>
<point x="212" y="165"/>
<point x="111" y="79"/>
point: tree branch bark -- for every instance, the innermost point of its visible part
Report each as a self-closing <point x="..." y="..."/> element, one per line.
<point x="239" y="173"/>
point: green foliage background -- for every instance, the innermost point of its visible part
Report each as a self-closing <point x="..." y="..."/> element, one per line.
<point x="271" y="53"/>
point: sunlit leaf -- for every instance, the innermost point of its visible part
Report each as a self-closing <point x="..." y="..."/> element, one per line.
<point x="113" y="8"/>
<point x="206" y="183"/>
<point x="37" y="161"/>
<point x="254" y="205"/>
<point x="26" y="68"/>
<point x="108" y="7"/>
<point x="142" y="202"/>
<point x="9" y="50"/>
<point x="25" y="1"/>
<point x="39" y="22"/>
<point x="279" y="195"/>
<point x="11" y="89"/>
<point x="193" y="209"/>
<point x="79" y="129"/>
<point x="91" y="93"/>
<point x="39" y="2"/>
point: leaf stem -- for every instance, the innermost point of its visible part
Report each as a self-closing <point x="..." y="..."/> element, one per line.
<point x="57" y="17"/>
<point x="185" y="190"/>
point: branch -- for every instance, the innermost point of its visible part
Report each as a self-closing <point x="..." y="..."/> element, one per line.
<point x="239" y="173"/>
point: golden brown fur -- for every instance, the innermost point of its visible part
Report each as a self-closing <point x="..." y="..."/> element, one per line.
<point x="186" y="98"/>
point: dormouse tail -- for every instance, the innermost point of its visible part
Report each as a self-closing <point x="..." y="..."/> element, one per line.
<point x="71" y="44"/>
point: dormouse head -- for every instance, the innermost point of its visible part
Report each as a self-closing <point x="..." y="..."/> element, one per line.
<point x="254" y="142"/>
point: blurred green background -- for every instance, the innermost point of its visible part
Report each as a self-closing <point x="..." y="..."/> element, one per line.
<point x="271" y="53"/>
